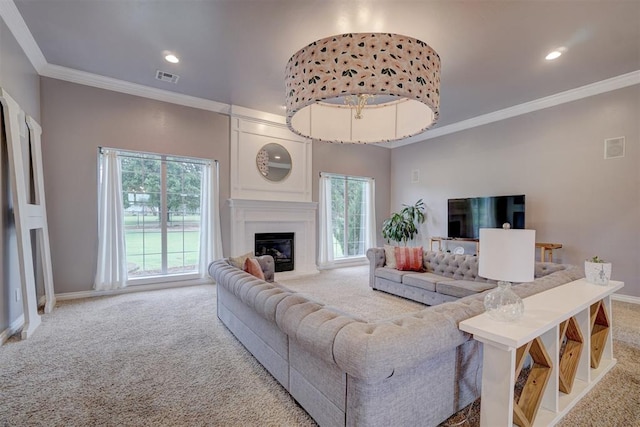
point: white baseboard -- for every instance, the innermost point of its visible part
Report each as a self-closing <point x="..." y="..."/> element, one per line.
<point x="626" y="298"/>
<point x="132" y="288"/>
<point x="352" y="262"/>
<point x="14" y="327"/>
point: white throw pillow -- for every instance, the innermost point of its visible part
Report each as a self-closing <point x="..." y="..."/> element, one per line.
<point x="390" y="256"/>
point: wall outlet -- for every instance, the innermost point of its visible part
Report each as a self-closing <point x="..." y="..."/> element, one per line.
<point x="18" y="295"/>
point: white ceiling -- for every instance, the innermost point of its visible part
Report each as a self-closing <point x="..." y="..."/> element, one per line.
<point x="235" y="51"/>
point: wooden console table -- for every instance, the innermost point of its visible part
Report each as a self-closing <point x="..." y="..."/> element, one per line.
<point x="545" y="248"/>
<point x="576" y="314"/>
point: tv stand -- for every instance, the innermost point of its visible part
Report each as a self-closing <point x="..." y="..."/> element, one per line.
<point x="439" y="240"/>
<point x="546" y="249"/>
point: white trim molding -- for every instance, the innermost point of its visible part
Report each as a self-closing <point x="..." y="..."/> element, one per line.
<point x="96" y="80"/>
<point x="14" y="327"/>
<point x="133" y="288"/>
<point x="12" y="17"/>
<point x="614" y="83"/>
<point x="260" y="117"/>
<point x="626" y="298"/>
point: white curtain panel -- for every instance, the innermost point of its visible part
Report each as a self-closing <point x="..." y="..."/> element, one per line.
<point x="325" y="235"/>
<point x="370" y="220"/>
<point x="210" y="234"/>
<point x="111" y="271"/>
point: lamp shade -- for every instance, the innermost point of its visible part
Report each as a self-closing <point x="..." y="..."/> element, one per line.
<point x="507" y="255"/>
<point x="331" y="79"/>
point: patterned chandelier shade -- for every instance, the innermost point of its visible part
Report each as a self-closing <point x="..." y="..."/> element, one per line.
<point x="330" y="83"/>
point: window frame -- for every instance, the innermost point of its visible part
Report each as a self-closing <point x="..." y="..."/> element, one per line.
<point x="348" y="178"/>
<point x="164" y="209"/>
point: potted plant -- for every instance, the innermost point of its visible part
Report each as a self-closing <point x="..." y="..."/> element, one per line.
<point x="597" y="270"/>
<point x="403" y="226"/>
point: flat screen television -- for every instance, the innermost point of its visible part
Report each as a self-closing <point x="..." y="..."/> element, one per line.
<point x="467" y="216"/>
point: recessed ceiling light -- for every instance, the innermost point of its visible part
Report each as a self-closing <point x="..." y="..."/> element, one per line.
<point x="172" y="58"/>
<point x="555" y="54"/>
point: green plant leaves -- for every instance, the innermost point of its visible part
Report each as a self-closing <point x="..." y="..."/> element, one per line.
<point x="403" y="226"/>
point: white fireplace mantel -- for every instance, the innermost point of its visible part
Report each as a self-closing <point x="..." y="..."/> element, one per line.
<point x="249" y="217"/>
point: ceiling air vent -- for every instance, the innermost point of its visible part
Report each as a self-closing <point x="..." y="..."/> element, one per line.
<point x="167" y="77"/>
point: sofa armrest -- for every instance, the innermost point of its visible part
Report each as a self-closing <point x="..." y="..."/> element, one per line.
<point x="376" y="259"/>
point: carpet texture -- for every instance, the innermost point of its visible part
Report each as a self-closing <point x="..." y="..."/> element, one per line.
<point x="157" y="358"/>
<point x="162" y="358"/>
<point x="348" y="290"/>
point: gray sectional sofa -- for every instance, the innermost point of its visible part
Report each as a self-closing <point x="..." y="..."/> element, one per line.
<point x="446" y="277"/>
<point x="413" y="369"/>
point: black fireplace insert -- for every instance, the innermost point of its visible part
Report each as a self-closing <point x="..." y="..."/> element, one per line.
<point x="279" y="246"/>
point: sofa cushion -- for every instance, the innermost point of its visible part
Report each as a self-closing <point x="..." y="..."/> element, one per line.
<point x="426" y="281"/>
<point x="390" y="274"/>
<point x="462" y="288"/>
<point x="409" y="258"/>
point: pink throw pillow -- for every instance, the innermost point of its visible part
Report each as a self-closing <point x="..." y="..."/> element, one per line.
<point x="409" y="259"/>
<point x="252" y="266"/>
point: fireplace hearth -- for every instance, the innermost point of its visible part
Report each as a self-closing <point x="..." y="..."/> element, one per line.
<point x="279" y="246"/>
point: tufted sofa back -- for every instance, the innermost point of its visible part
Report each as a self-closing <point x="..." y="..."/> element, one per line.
<point x="458" y="267"/>
<point x="373" y="351"/>
<point x="465" y="267"/>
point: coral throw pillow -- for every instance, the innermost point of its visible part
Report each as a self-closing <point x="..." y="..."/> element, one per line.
<point x="409" y="259"/>
<point x="252" y="266"/>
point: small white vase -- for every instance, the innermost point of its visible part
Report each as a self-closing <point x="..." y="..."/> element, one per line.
<point x="598" y="273"/>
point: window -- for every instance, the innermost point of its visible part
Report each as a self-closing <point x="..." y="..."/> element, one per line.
<point x="161" y="201"/>
<point x="346" y="217"/>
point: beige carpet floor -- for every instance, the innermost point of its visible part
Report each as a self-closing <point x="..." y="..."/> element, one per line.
<point x="163" y="358"/>
<point x="347" y="289"/>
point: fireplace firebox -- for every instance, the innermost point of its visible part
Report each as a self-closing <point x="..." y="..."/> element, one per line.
<point x="279" y="246"/>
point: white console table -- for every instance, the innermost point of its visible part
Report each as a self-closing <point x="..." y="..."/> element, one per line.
<point x="579" y="312"/>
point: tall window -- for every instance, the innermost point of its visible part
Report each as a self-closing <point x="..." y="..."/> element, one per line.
<point x="346" y="216"/>
<point x="161" y="200"/>
<point x="157" y="218"/>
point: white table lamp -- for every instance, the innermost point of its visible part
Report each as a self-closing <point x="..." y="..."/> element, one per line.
<point x="506" y="256"/>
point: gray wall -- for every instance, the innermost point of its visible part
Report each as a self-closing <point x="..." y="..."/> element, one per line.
<point x="20" y="80"/>
<point x="555" y="157"/>
<point x="78" y="119"/>
<point x="356" y="160"/>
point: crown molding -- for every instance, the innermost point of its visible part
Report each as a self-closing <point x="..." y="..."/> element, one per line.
<point x="258" y="116"/>
<point x="95" y="80"/>
<point x="619" y="82"/>
<point x="12" y="17"/>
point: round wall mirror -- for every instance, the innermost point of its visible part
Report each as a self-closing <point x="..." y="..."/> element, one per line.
<point x="274" y="162"/>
